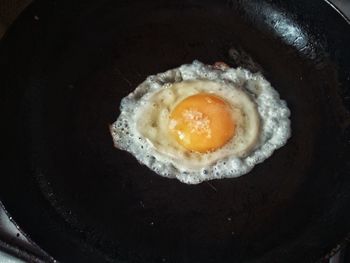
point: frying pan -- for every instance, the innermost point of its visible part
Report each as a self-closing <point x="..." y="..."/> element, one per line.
<point x="64" y="67"/>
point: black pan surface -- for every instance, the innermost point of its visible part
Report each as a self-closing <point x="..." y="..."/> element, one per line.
<point x="64" y="67"/>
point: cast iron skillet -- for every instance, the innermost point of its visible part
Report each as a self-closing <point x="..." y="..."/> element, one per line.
<point x="65" y="65"/>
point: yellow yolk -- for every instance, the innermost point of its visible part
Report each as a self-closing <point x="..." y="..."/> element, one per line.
<point x="202" y="123"/>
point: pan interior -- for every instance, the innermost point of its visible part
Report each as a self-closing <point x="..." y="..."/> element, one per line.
<point x="89" y="63"/>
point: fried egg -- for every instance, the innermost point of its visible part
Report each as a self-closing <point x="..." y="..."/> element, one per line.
<point x="200" y="122"/>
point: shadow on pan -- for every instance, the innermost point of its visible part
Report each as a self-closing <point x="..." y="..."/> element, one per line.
<point x="64" y="69"/>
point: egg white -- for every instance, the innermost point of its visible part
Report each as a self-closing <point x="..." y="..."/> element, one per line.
<point x="261" y="116"/>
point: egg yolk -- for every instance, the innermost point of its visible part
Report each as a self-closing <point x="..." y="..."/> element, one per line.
<point x="202" y="123"/>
